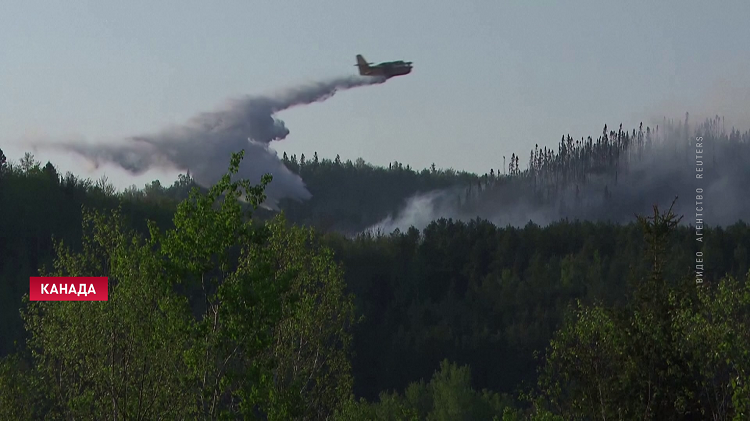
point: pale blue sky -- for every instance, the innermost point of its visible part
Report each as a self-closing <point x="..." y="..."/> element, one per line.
<point x="490" y="77"/>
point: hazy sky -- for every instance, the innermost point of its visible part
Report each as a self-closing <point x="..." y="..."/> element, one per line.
<point x="490" y="77"/>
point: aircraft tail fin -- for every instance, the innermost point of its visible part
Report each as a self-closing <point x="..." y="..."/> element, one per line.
<point x="362" y="64"/>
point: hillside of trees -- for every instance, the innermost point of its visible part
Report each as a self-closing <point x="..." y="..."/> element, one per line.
<point x="566" y="178"/>
<point x="351" y="196"/>
<point x="604" y="178"/>
<point x="230" y="311"/>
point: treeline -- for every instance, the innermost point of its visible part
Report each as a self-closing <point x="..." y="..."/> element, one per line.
<point x="218" y="317"/>
<point x="461" y="320"/>
<point x="351" y="196"/>
<point x="574" y="163"/>
<point x="39" y="206"/>
<point x="215" y="318"/>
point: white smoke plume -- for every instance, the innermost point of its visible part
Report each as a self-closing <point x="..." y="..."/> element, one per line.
<point x="666" y="170"/>
<point x="419" y="211"/>
<point x="204" y="143"/>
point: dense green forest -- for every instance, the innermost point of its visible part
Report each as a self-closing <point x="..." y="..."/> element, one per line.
<point x="213" y="314"/>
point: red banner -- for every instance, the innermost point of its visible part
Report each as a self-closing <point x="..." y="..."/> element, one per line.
<point x="69" y="289"/>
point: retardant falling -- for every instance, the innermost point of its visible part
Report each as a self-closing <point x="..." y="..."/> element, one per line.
<point x="203" y="145"/>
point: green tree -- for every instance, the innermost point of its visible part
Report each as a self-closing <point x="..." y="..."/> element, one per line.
<point x="214" y="318"/>
<point x="448" y="396"/>
<point x="675" y="351"/>
<point x="28" y="163"/>
<point x="312" y="338"/>
<point x="3" y="162"/>
<point x="117" y="358"/>
<point x="50" y="171"/>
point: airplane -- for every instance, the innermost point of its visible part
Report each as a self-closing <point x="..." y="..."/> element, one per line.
<point x="388" y="69"/>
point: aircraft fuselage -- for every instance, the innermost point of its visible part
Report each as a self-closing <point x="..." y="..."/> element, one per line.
<point x="388" y="72"/>
<point x="388" y="69"/>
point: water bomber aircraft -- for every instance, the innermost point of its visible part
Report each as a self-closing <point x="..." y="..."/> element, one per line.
<point x="388" y="69"/>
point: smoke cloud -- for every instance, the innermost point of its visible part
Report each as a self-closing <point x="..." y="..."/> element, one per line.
<point x="660" y="173"/>
<point x="204" y="143"/>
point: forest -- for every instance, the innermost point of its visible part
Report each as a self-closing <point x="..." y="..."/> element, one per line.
<point x="222" y="309"/>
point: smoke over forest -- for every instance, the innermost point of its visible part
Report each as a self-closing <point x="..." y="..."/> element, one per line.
<point x="620" y="173"/>
<point x="610" y="178"/>
<point x="203" y="145"/>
